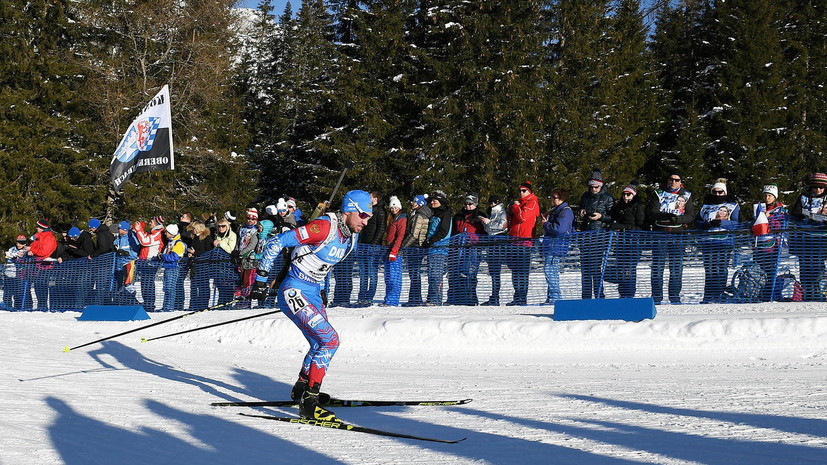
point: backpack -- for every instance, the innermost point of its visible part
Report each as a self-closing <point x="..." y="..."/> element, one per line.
<point x="787" y="289"/>
<point x="748" y="282"/>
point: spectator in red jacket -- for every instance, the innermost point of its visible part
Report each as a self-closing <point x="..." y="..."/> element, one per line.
<point x="397" y="224"/>
<point x="152" y="243"/>
<point x="522" y="218"/>
<point x="42" y="246"/>
<point x="44" y="242"/>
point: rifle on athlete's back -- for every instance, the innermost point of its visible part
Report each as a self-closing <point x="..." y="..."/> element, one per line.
<point x="322" y="206"/>
<point x="319" y="211"/>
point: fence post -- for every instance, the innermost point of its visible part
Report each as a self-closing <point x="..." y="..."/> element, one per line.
<point x="605" y="259"/>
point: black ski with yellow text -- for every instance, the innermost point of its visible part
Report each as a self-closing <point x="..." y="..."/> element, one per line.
<point x="335" y="403"/>
<point x="340" y="425"/>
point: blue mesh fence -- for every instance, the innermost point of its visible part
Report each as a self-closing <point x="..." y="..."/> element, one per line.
<point x="689" y="267"/>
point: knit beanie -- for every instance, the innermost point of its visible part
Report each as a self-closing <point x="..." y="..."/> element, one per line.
<point x="43" y="224"/>
<point x="719" y="184"/>
<point x="771" y="189"/>
<point x="632" y="188"/>
<point x="472" y="199"/>
<point x="395" y="203"/>
<point x="596" y="179"/>
<point x="420" y="200"/>
<point x="527" y="185"/>
<point x="818" y="180"/>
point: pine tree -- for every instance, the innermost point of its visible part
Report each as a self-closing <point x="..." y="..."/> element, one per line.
<point x="46" y="131"/>
<point x="578" y="81"/>
<point x="299" y="161"/>
<point x="803" y="32"/>
<point x="481" y="113"/>
<point x="748" y="116"/>
<point x="682" y="49"/>
<point x="131" y="51"/>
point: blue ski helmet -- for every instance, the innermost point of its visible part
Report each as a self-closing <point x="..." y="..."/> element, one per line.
<point x="357" y="201"/>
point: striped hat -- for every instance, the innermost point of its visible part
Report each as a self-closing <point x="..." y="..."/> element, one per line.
<point x="818" y="180"/>
<point x="159" y="220"/>
<point x="43" y="224"/>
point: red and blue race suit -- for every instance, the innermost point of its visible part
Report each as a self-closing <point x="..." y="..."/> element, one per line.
<point x="316" y="250"/>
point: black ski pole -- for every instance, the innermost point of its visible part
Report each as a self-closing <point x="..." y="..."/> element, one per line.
<point x="209" y="326"/>
<point x="321" y="207"/>
<point x="214" y="307"/>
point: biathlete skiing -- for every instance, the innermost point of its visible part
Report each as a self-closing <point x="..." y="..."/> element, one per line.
<point x="319" y="245"/>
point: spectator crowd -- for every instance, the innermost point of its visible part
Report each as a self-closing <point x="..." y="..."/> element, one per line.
<point x="70" y="267"/>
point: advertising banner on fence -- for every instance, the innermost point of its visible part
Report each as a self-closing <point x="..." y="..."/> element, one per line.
<point x="147" y="144"/>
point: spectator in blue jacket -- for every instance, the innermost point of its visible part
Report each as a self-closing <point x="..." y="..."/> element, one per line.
<point x="558" y="225"/>
<point x="439" y="233"/>
<point x="170" y="261"/>
<point x="126" y="252"/>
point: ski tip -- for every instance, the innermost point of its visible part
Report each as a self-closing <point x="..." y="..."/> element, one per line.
<point x="143" y="339"/>
<point x="463" y="402"/>
<point x="66" y="348"/>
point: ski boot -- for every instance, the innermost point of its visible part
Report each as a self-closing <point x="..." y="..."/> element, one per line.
<point x="301" y="386"/>
<point x="310" y="407"/>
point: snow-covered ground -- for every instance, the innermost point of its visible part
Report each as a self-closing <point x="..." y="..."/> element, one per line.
<point x="723" y="384"/>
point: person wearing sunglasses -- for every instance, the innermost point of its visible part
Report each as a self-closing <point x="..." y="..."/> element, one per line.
<point x="671" y="210"/>
<point x="595" y="207"/>
<point x="439" y="234"/>
<point x="318" y="246"/>
<point x="462" y="275"/>
<point x="522" y="218"/>
<point x="719" y="212"/>
<point x="811" y="244"/>
<point x="628" y="218"/>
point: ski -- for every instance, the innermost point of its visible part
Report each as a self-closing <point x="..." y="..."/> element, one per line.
<point x="345" y="403"/>
<point x="340" y="425"/>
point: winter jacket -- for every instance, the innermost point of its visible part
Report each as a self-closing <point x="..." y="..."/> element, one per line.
<point x="629" y="216"/>
<point x="126" y="249"/>
<point x="671" y="210"/>
<point x="557" y="230"/>
<point x="396" y="232"/>
<point x="173" y="252"/>
<point x="809" y="210"/>
<point x="152" y="243"/>
<point x="200" y="245"/>
<point x="227" y="242"/>
<point x="439" y="228"/>
<point x="105" y="242"/>
<point x="266" y="228"/>
<point x="282" y="224"/>
<point x="497" y="221"/>
<point x="468" y="221"/>
<point x="247" y="240"/>
<point x="417" y="228"/>
<point x="601" y="202"/>
<point x="83" y="246"/>
<point x="523" y="216"/>
<point x="374" y="231"/>
<point x="44" y="244"/>
<point x="777" y="219"/>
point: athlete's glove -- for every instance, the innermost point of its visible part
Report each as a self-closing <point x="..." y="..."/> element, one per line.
<point x="259" y="290"/>
<point x="392" y="255"/>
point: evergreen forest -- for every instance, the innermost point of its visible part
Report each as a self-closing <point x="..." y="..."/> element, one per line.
<point x="462" y="96"/>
